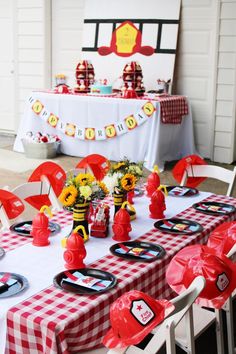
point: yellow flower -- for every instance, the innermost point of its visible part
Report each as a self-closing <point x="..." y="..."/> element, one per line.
<point x="128" y="182"/>
<point x="85" y="191"/>
<point x="103" y="187"/>
<point x="118" y="165"/>
<point x="68" y="195"/>
<point x="84" y="179"/>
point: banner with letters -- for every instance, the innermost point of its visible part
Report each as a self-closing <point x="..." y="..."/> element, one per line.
<point x="112" y="130"/>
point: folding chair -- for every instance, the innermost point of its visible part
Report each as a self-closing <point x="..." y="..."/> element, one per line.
<point x="43" y="186"/>
<point x="39" y="188"/>
<point x="165" y="332"/>
<point x="228" y="308"/>
<point x="203" y="318"/>
<point x="211" y="171"/>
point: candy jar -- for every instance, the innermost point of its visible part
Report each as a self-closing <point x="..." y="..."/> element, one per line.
<point x="158" y="205"/>
<point x="40" y="228"/>
<point x="75" y="250"/>
<point x="121" y="226"/>
<point x="153" y="181"/>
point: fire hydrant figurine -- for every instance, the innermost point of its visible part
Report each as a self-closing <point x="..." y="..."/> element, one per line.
<point x="158" y="205"/>
<point x="121" y="226"/>
<point x="153" y="181"/>
<point x="75" y="250"/>
<point x="130" y="196"/>
<point x="40" y="228"/>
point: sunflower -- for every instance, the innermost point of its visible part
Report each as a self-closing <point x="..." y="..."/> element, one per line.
<point x="103" y="187"/>
<point x="84" y="179"/>
<point x="68" y="195"/>
<point x="128" y="182"/>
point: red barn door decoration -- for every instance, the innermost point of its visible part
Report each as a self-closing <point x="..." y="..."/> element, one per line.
<point x="126" y="40"/>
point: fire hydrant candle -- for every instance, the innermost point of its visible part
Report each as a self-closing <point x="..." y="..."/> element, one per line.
<point x="122" y="226"/>
<point x="75" y="250"/>
<point x="153" y="181"/>
<point x="158" y="205"/>
<point x="40" y="228"/>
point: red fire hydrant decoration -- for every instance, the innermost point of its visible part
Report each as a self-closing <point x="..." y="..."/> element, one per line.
<point x="158" y="204"/>
<point x="130" y="196"/>
<point x="75" y="250"/>
<point x="40" y="230"/>
<point x="153" y="181"/>
<point x="121" y="226"/>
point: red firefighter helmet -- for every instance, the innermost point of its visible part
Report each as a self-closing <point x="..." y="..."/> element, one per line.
<point x="181" y="166"/>
<point x="219" y="272"/>
<point x="133" y="316"/>
<point x="223" y="238"/>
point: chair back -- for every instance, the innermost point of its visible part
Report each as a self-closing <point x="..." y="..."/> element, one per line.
<point x="211" y="171"/>
<point x="38" y="189"/>
<point x="164" y="332"/>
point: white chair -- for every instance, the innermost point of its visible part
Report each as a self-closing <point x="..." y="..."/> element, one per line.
<point x="24" y="191"/>
<point x="203" y="318"/>
<point x="165" y="332"/>
<point x="42" y="187"/>
<point x="211" y="171"/>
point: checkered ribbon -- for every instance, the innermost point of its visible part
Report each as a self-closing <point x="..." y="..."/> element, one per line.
<point x="53" y="321"/>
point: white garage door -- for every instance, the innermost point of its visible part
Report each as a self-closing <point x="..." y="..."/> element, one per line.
<point x="7" y="75"/>
<point x="67" y="22"/>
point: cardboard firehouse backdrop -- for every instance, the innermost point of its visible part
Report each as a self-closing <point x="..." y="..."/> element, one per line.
<point x="118" y="32"/>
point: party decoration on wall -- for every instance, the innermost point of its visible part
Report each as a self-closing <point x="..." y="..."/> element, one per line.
<point x="94" y="133"/>
<point x="146" y="32"/>
<point x="126" y="40"/>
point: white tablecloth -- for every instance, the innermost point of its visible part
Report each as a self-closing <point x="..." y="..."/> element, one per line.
<point x="152" y="141"/>
<point x="40" y="264"/>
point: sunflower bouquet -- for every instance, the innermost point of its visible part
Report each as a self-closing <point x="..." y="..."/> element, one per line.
<point x="82" y="188"/>
<point x="123" y="176"/>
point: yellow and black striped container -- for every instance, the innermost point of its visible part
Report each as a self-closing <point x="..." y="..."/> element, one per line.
<point x="80" y="216"/>
<point x="118" y="199"/>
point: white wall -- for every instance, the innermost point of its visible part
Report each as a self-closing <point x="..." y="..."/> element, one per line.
<point x="33" y="48"/>
<point x="206" y="73"/>
<point x="195" y="66"/>
<point x="224" y="137"/>
<point x="67" y="25"/>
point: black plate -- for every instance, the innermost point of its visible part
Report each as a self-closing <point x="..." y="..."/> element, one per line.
<point x="20" y="285"/>
<point x="214" y="208"/>
<point x="178" y="226"/>
<point x="78" y="289"/>
<point x="2" y="252"/>
<point x="181" y="191"/>
<point x="23" y="228"/>
<point x="149" y="251"/>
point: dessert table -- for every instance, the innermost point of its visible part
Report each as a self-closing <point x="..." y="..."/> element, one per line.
<point x="150" y="140"/>
<point x="45" y="319"/>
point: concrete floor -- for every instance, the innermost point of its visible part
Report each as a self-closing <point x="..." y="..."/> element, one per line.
<point x="68" y="162"/>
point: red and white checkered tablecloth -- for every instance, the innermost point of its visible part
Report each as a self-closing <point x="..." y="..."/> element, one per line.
<point x="53" y="321"/>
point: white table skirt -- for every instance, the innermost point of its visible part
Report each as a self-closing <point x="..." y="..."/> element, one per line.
<point x="40" y="264"/>
<point x="152" y="142"/>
